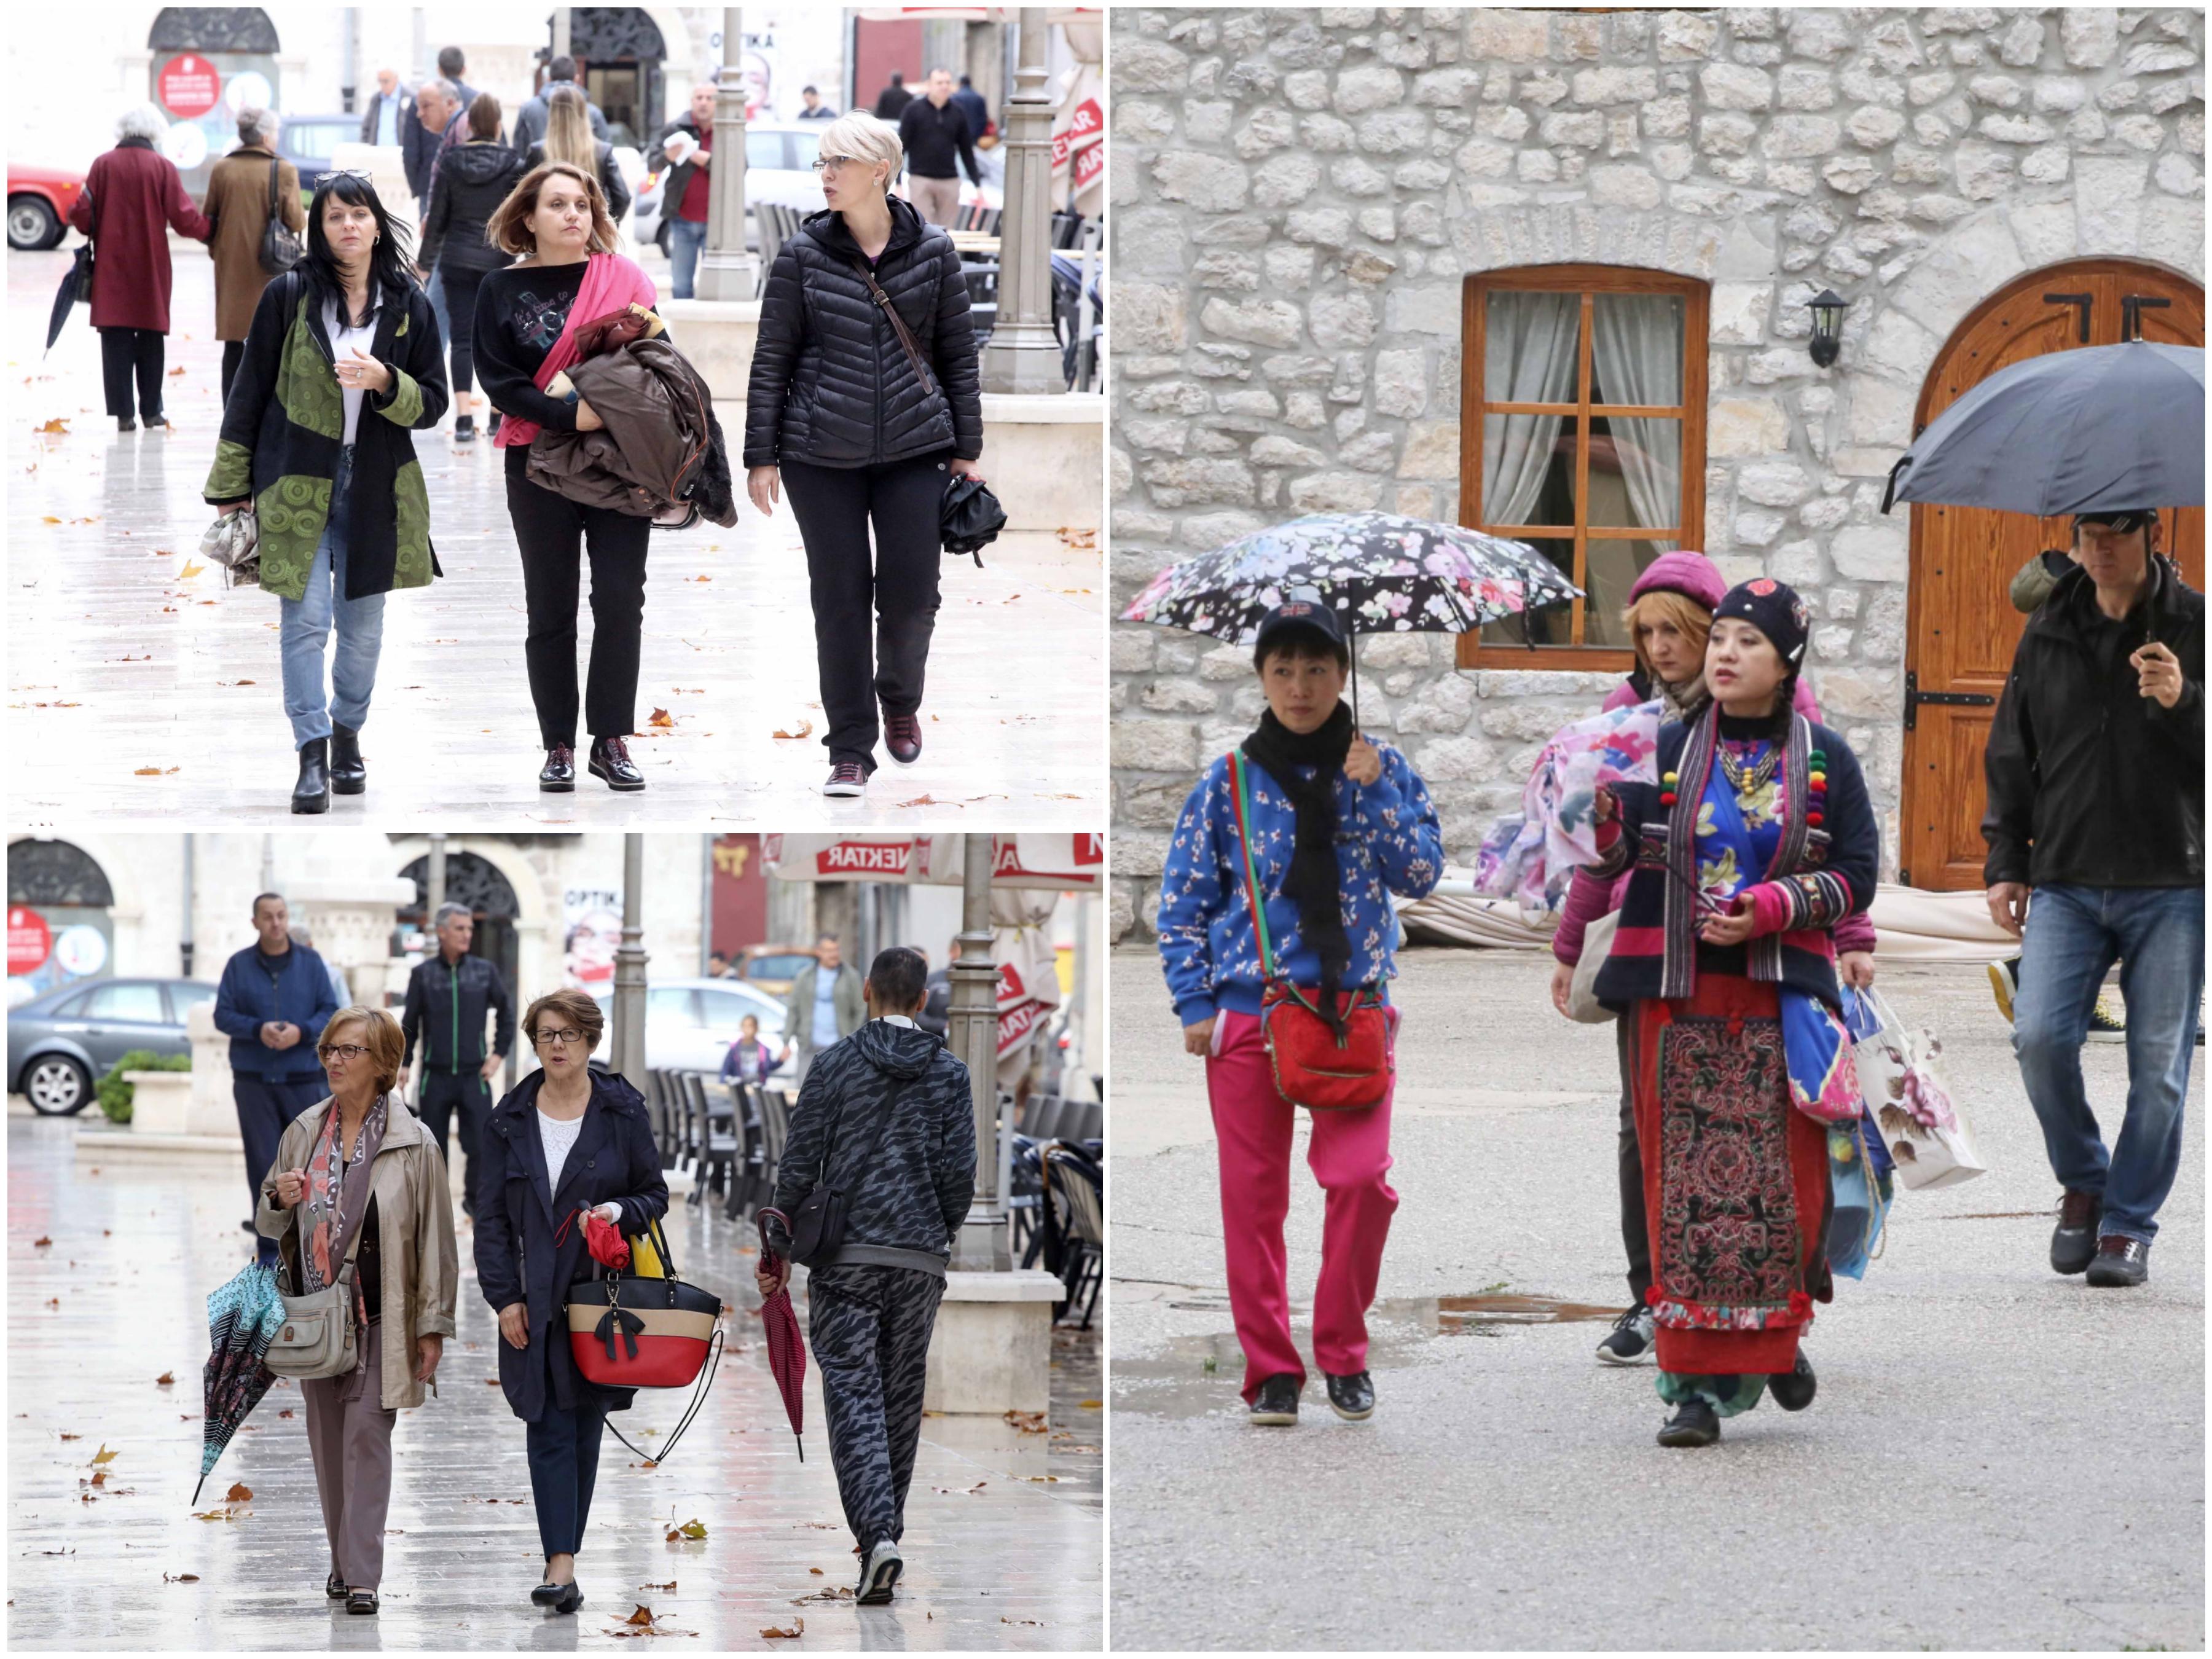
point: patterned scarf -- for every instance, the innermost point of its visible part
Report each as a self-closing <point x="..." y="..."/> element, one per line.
<point x="337" y="1195"/>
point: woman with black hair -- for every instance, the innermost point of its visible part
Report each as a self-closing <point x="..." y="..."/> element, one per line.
<point x="341" y="364"/>
<point x="1753" y="845"/>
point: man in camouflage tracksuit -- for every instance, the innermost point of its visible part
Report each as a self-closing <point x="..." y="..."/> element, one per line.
<point x="886" y="1118"/>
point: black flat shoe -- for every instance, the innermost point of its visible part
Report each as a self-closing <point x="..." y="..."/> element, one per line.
<point x="349" y="772"/>
<point x="335" y="1588"/>
<point x="464" y="428"/>
<point x="1693" y="1423"/>
<point x="311" y="794"/>
<point x="571" y="1598"/>
<point x="360" y="1601"/>
<point x="125" y="423"/>
<point x="558" y="775"/>
<point x="2074" y="1240"/>
<point x="1351" y="1398"/>
<point x="610" y="760"/>
<point x="1793" y="1389"/>
<point x="547" y="1593"/>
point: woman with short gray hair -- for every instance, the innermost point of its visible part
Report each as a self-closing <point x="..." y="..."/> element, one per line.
<point x="247" y="186"/>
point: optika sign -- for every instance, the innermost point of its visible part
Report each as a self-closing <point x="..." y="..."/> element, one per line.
<point x="864" y="858"/>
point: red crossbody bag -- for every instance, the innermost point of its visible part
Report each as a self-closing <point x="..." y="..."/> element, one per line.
<point x="1314" y="1067"/>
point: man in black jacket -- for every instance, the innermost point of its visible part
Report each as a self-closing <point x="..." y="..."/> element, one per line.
<point x="891" y="101"/>
<point x="934" y="130"/>
<point x="448" y="997"/>
<point x="2095" y="767"/>
<point x="684" y="186"/>
<point x="529" y="119"/>
<point x="886" y="1117"/>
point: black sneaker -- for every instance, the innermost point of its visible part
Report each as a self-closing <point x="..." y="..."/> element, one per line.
<point x="2108" y="1020"/>
<point x="1793" y="1389"/>
<point x="1633" y="1339"/>
<point x="1693" y="1423"/>
<point x="1351" y="1398"/>
<point x="2120" y="1261"/>
<point x="464" y="428"/>
<point x="1276" y="1406"/>
<point x="2074" y="1240"/>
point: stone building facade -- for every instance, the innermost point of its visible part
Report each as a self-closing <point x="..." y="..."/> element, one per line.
<point x="1299" y="197"/>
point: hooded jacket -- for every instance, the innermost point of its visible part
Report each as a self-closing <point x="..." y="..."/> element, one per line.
<point x="887" y="1118"/>
<point x="659" y="448"/>
<point x="831" y="384"/>
<point x="473" y="179"/>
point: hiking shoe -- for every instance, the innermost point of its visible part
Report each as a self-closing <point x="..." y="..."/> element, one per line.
<point x="1693" y="1423"/>
<point x="2004" y="982"/>
<point x="846" y="778"/>
<point x="1276" y="1404"/>
<point x="2108" y="1020"/>
<point x="2074" y="1241"/>
<point x="2120" y="1261"/>
<point x="880" y="1572"/>
<point x="1793" y="1389"/>
<point x="1351" y="1398"/>
<point x="1633" y="1339"/>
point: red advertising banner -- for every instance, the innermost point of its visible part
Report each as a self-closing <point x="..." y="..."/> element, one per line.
<point x="30" y="941"/>
<point x="740" y="896"/>
<point x="188" y="86"/>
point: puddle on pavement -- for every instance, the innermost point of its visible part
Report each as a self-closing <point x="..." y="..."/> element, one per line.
<point x="1197" y="1375"/>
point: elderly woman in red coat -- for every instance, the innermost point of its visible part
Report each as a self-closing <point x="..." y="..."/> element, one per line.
<point x="131" y="199"/>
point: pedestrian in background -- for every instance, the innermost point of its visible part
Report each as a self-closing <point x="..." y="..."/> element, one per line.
<point x="453" y="66"/>
<point x="936" y="1015"/>
<point x="1337" y="824"/>
<point x="272" y="1003"/>
<point x="825" y="1005"/>
<point x="971" y="104"/>
<point x="132" y="198"/>
<point x="815" y="109"/>
<point x="344" y="348"/>
<point x="749" y="1060"/>
<point x="241" y="193"/>
<point x="339" y="989"/>
<point x="569" y="137"/>
<point x="529" y="119"/>
<point x="565" y="1139"/>
<point x="2095" y="769"/>
<point x="383" y="118"/>
<point x="886" y="1118"/>
<point x="939" y="141"/>
<point x="685" y="189"/>
<point x="569" y="274"/>
<point x="450" y="995"/>
<point x="469" y="182"/>
<point x="891" y="101"/>
<point x="355" y="1177"/>
<point x="436" y="110"/>
<point x="865" y="421"/>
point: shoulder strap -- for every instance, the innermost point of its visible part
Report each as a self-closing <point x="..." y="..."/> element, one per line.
<point x="898" y="322"/>
<point x="1241" y="799"/>
<point x="272" y="186"/>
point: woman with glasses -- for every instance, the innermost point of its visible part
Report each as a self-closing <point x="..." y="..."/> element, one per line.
<point x="357" y="1178"/>
<point x="863" y="403"/>
<point x="565" y="1141"/>
<point x="341" y="364"/>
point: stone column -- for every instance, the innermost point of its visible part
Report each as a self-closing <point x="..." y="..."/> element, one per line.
<point x="727" y="271"/>
<point x="982" y="1244"/>
<point x="628" y="1054"/>
<point x="1023" y="354"/>
<point x="351" y="920"/>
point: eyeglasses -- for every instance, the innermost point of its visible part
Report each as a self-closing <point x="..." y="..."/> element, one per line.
<point x="561" y="1039"/>
<point x="347" y="1052"/>
<point x="831" y="163"/>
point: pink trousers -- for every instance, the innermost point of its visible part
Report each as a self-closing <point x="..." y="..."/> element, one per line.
<point x="1349" y="1155"/>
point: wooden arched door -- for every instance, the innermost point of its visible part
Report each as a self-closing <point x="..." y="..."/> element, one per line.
<point x="1962" y="625"/>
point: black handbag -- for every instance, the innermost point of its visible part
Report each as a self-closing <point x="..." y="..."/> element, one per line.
<point x="280" y="243"/>
<point x="972" y="518"/>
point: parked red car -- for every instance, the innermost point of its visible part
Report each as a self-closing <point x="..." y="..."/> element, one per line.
<point x="39" y="201"/>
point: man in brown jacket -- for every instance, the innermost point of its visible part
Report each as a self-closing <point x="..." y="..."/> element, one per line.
<point x="238" y="207"/>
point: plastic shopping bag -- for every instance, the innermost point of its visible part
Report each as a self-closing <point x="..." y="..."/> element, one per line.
<point x="1859" y="1178"/>
<point x="1920" y="1123"/>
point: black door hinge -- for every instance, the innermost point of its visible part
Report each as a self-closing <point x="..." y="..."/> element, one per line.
<point x="1914" y="696"/>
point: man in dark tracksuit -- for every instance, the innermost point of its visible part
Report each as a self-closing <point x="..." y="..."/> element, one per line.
<point x="448" y="998"/>
<point x="887" y="1112"/>
<point x="274" y="1000"/>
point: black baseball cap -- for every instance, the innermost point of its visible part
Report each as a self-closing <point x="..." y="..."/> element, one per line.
<point x="1306" y="612"/>
<point x="2123" y="521"/>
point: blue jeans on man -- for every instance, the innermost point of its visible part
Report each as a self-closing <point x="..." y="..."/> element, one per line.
<point x="2073" y="936"/>
<point x="306" y="625"/>
<point x="685" y="238"/>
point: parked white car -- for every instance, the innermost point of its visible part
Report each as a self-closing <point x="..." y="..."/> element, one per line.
<point x="689" y="1023"/>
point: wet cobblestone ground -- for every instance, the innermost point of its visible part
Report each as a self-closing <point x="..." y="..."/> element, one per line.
<point x="1005" y="1530"/>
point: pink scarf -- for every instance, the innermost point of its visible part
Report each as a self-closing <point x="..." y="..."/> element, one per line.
<point x="611" y="283"/>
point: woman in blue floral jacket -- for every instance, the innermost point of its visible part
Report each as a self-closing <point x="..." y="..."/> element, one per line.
<point x="1338" y="823"/>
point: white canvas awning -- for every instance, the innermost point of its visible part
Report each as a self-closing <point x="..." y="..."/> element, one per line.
<point x="1073" y="863"/>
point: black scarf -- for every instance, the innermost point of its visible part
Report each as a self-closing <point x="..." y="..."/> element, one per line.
<point x="1312" y="879"/>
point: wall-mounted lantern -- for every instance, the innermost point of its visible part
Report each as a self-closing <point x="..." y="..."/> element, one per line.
<point x="1828" y="309"/>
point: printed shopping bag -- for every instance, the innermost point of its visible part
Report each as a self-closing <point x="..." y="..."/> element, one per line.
<point x="1921" y="1125"/>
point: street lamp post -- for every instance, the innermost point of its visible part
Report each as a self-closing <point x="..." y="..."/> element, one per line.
<point x="981" y="1246"/>
<point x="1024" y="354"/>
<point x="628" y="1056"/>
<point x="725" y="270"/>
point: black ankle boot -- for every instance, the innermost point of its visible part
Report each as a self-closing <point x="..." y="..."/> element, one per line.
<point x="313" y="791"/>
<point x="349" y="772"/>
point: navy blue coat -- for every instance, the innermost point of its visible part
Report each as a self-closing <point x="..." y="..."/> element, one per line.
<point x="615" y="1160"/>
<point x="299" y="993"/>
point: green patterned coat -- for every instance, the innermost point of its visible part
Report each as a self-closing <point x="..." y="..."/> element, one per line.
<point x="281" y="429"/>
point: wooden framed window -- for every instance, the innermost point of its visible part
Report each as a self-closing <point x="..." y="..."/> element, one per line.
<point x="1581" y="433"/>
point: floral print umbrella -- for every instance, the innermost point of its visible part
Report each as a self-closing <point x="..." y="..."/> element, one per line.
<point x="1530" y="858"/>
<point x="243" y="1316"/>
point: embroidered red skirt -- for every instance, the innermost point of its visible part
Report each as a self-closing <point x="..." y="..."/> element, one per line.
<point x="1735" y="1180"/>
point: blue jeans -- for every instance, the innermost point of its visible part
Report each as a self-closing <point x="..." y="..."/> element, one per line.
<point x="307" y="624"/>
<point x="563" y="1447"/>
<point x="2074" y="935"/>
<point x="685" y="238"/>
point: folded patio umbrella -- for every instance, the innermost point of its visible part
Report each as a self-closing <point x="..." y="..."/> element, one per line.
<point x="787" y="1353"/>
<point x="242" y="1317"/>
<point x="2098" y="428"/>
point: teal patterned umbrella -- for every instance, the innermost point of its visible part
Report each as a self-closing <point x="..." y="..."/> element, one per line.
<point x="242" y="1318"/>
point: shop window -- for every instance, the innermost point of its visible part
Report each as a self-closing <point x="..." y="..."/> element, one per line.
<point x="1582" y="405"/>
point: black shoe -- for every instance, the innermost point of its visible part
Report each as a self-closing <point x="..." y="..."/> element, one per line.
<point x="558" y="775"/>
<point x="1276" y="1404"/>
<point x="2121" y="1262"/>
<point x="491" y="426"/>
<point x="610" y="760"/>
<point x="1632" y="1339"/>
<point x="360" y="1601"/>
<point x="311" y="794"/>
<point x="1693" y="1423"/>
<point x="335" y="1588"/>
<point x="125" y="423"/>
<point x="1793" y="1389"/>
<point x="464" y="428"/>
<point x="879" y="1572"/>
<point x="561" y="1598"/>
<point x="2074" y="1241"/>
<point x="902" y="737"/>
<point x="847" y="778"/>
<point x="349" y="772"/>
<point x="1351" y="1398"/>
<point x="547" y="1593"/>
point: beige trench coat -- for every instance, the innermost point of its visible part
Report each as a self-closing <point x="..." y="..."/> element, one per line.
<point x="415" y="1232"/>
<point x="238" y="207"/>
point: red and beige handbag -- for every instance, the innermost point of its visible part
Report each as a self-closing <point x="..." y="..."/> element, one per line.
<point x="629" y="1331"/>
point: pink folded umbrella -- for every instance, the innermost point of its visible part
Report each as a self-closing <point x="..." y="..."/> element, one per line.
<point x="787" y="1353"/>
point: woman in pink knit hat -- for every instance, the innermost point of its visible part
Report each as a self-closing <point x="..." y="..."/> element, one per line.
<point x="1669" y="613"/>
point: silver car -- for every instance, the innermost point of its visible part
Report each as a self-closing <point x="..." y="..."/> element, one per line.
<point x="58" y="1043"/>
<point x="689" y="1023"/>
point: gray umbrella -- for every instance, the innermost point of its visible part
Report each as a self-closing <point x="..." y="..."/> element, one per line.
<point x="2100" y="428"/>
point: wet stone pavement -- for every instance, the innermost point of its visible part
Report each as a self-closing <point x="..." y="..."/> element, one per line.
<point x="1004" y="1529"/>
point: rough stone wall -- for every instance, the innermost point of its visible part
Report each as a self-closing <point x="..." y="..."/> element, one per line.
<point x="1299" y="194"/>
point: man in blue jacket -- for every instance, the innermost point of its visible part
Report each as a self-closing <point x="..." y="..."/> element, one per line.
<point x="273" y="1002"/>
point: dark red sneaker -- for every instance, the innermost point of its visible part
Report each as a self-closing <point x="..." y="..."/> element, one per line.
<point x="846" y="778"/>
<point x="902" y="737"/>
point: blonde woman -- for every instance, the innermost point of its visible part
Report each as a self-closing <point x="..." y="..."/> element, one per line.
<point x="568" y="137"/>
<point x="358" y="1167"/>
<point x="842" y="414"/>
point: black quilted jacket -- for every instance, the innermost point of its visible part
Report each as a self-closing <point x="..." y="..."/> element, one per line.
<point x="831" y="384"/>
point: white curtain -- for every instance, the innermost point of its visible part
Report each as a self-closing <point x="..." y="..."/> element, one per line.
<point x="1529" y="349"/>
<point x="1636" y="358"/>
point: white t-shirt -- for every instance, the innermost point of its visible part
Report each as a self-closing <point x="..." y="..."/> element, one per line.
<point x="559" y="1136"/>
<point x="343" y="341"/>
